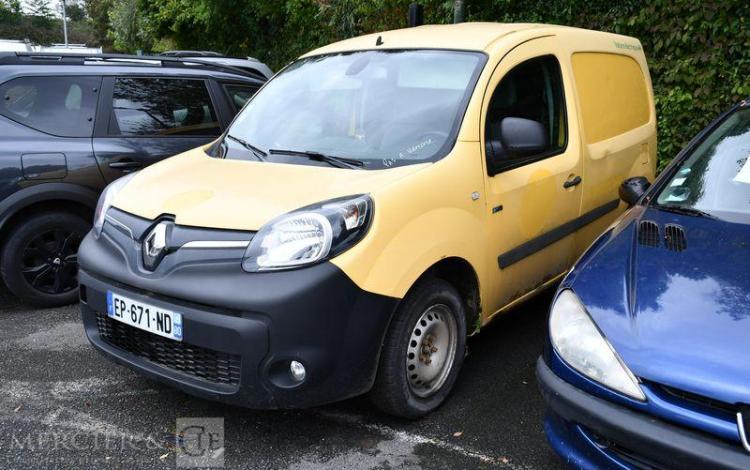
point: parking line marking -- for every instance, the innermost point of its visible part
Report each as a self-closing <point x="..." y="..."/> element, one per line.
<point x="413" y="438"/>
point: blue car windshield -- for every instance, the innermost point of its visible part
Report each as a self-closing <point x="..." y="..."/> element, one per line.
<point x="383" y="108"/>
<point x="715" y="178"/>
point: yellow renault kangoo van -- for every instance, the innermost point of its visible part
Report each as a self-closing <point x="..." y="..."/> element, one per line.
<point x="377" y="201"/>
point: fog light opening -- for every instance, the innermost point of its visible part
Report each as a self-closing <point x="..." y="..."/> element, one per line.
<point x="297" y="371"/>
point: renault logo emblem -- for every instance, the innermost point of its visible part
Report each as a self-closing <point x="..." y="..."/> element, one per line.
<point x="155" y="246"/>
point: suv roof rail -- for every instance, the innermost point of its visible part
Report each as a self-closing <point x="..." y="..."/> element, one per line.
<point x="185" y="53"/>
<point x="206" y="54"/>
<point x="56" y="58"/>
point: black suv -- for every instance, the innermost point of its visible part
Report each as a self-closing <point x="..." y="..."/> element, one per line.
<point x="69" y="125"/>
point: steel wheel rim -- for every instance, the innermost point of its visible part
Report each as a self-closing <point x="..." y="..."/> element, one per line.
<point x="431" y="350"/>
<point x="49" y="261"/>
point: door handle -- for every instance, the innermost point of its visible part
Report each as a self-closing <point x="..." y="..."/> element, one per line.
<point x="572" y="182"/>
<point x="126" y="164"/>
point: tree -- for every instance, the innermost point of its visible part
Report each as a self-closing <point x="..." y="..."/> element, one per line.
<point x="41" y="14"/>
<point x="98" y="13"/>
<point x="129" y="28"/>
<point x="40" y="8"/>
<point x="74" y="11"/>
<point x="11" y="8"/>
<point x="33" y="20"/>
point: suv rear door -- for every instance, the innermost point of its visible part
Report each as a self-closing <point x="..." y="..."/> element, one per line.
<point x="46" y="125"/>
<point x="143" y="119"/>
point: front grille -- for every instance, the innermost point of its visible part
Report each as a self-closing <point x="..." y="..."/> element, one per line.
<point x="700" y="400"/>
<point x="202" y="363"/>
<point x="624" y="454"/>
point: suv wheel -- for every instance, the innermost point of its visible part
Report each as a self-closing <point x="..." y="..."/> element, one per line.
<point x="39" y="262"/>
<point x="423" y="351"/>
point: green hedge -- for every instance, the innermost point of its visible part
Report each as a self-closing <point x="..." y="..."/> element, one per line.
<point x="699" y="52"/>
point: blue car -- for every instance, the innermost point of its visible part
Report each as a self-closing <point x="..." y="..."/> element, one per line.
<point x="648" y="359"/>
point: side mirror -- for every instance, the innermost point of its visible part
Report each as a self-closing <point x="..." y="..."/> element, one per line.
<point x="632" y="189"/>
<point x="522" y="137"/>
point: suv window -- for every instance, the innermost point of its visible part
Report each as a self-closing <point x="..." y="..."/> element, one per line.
<point x="61" y="106"/>
<point x="239" y="95"/>
<point x="532" y="90"/>
<point x="162" y="107"/>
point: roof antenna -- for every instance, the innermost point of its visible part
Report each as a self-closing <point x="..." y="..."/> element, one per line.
<point x="379" y="41"/>
<point x="416" y="15"/>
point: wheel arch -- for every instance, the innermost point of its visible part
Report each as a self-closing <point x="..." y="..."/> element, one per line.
<point x="459" y="273"/>
<point x="46" y="197"/>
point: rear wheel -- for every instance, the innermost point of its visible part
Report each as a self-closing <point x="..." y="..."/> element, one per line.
<point x="423" y="351"/>
<point x="39" y="262"/>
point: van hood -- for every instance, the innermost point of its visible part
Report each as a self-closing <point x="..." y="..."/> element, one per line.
<point x="202" y="191"/>
<point x="677" y="318"/>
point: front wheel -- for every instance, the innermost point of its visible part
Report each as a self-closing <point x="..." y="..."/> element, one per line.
<point x="423" y="351"/>
<point x="39" y="262"/>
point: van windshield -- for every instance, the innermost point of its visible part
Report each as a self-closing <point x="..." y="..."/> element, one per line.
<point x="715" y="178"/>
<point x="381" y="108"/>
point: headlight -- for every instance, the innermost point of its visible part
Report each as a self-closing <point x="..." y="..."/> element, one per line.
<point x="309" y="235"/>
<point x="579" y="342"/>
<point x="105" y="201"/>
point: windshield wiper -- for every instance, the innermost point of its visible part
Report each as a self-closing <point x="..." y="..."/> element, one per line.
<point x="258" y="153"/>
<point x="339" y="162"/>
<point x="685" y="211"/>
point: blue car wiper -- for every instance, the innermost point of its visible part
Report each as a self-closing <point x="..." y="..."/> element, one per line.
<point x="685" y="211"/>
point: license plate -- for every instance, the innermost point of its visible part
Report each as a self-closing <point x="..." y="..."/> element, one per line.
<point x="146" y="317"/>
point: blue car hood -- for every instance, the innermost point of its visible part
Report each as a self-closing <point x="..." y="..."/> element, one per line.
<point x="676" y="318"/>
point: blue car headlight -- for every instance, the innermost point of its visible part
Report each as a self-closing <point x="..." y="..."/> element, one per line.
<point x="578" y="341"/>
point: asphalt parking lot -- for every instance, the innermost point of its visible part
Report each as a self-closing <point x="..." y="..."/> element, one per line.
<point x="62" y="405"/>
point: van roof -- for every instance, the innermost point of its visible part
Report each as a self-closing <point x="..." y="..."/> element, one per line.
<point x="467" y="36"/>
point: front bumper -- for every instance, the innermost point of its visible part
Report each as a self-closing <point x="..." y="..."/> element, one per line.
<point x="240" y="330"/>
<point x="591" y="433"/>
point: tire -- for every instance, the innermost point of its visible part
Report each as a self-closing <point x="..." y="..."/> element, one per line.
<point x="424" y="318"/>
<point x="39" y="259"/>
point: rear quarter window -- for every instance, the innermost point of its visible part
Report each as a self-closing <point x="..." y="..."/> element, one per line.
<point x="612" y="92"/>
<point x="239" y="95"/>
<point x="61" y="106"/>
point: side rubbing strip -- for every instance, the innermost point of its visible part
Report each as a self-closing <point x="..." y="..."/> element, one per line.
<point x="532" y="246"/>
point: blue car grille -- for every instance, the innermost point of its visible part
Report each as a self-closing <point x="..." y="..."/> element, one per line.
<point x="704" y="402"/>
<point x="624" y="454"/>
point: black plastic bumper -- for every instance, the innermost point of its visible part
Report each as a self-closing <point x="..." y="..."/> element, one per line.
<point x="316" y="316"/>
<point x="652" y="439"/>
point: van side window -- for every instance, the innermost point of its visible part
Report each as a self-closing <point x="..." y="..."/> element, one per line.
<point x="162" y="107"/>
<point x="61" y="106"/>
<point x="526" y="119"/>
